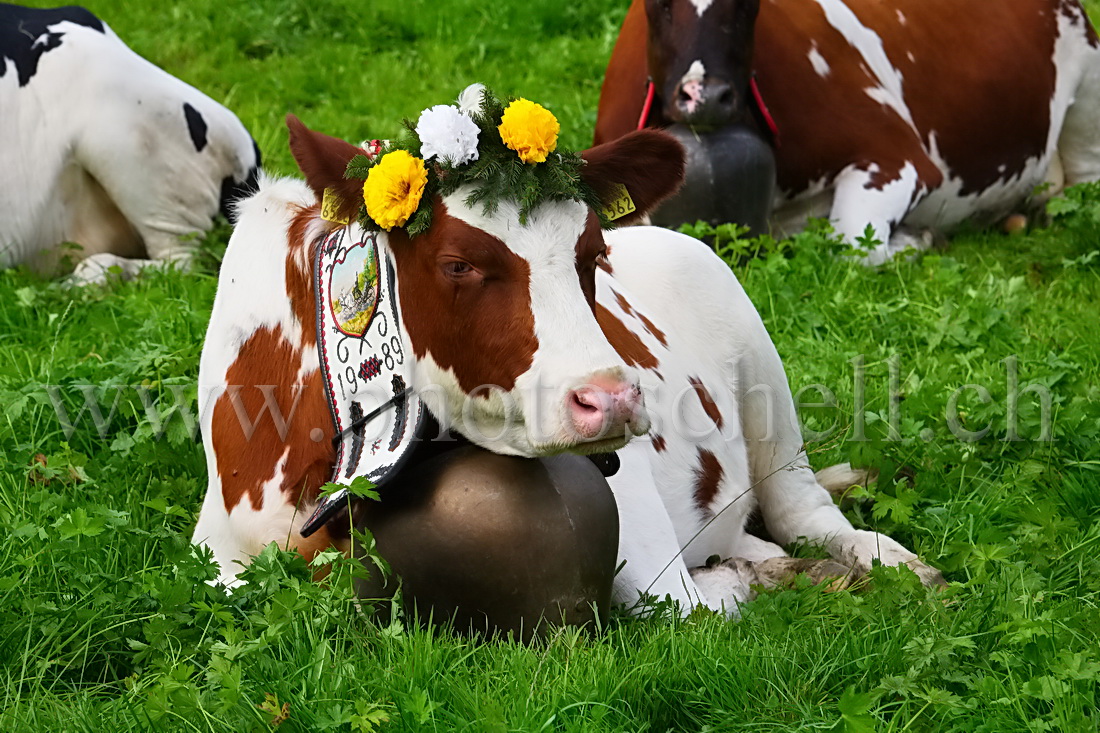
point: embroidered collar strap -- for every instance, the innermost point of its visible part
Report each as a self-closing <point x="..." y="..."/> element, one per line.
<point x="367" y="374"/>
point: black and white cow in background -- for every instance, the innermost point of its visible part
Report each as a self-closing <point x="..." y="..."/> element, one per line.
<point x="102" y="148"/>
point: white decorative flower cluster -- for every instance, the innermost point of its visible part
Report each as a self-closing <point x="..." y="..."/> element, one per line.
<point x="469" y="101"/>
<point x="447" y="133"/>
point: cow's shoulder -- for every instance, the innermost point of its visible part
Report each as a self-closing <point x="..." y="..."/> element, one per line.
<point x="664" y="299"/>
<point x="264" y="274"/>
<point x="259" y="362"/>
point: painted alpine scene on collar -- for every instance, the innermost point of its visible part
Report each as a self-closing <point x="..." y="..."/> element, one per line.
<point x="662" y="364"/>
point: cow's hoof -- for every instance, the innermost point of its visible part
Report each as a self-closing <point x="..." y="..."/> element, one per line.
<point x="498" y="545"/>
<point x="929" y="576"/>
<point x="97" y="269"/>
<point x="727" y="584"/>
<point x="842" y="480"/>
<point x="1014" y="224"/>
<point x="862" y="547"/>
<point x="906" y="243"/>
<point x="782" y="571"/>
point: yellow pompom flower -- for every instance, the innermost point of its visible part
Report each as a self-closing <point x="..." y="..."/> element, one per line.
<point x="530" y="129"/>
<point x="393" y="188"/>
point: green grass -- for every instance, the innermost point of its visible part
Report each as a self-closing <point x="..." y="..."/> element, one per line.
<point x="106" y="623"/>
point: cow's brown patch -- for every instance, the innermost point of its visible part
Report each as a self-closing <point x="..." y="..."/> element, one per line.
<point x="951" y="87"/>
<point x="707" y="401"/>
<point x="603" y="262"/>
<point x="659" y="444"/>
<point x="624" y="84"/>
<point x="623" y="303"/>
<point x="590" y="251"/>
<point x="653" y="330"/>
<point x="249" y="441"/>
<point x="649" y="326"/>
<point x="300" y="288"/>
<point x="857" y="129"/>
<point x="708" y="479"/>
<point x="477" y="323"/>
<point x="629" y="347"/>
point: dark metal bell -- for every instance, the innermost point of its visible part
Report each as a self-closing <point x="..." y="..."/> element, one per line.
<point x="729" y="177"/>
<point x="497" y="544"/>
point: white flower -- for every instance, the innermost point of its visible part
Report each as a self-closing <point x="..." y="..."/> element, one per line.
<point x="447" y="134"/>
<point x="470" y="99"/>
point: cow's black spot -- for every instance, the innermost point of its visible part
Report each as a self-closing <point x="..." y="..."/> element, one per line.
<point x="25" y="35"/>
<point x="234" y="190"/>
<point x="196" y="126"/>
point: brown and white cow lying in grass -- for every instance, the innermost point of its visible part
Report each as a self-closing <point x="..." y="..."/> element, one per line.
<point x="587" y="336"/>
<point x="907" y="117"/>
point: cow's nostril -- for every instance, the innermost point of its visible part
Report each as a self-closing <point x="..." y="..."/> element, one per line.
<point x="726" y="98"/>
<point x="582" y="404"/>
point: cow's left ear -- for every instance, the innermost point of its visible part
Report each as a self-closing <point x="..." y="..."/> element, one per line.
<point x="323" y="160"/>
<point x="650" y="163"/>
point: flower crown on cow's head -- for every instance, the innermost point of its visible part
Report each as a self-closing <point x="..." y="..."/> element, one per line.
<point x="501" y="152"/>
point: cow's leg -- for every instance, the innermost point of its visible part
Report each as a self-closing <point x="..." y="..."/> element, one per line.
<point x="862" y="200"/>
<point x="98" y="268"/>
<point x="1079" y="142"/>
<point x="650" y="553"/>
<point x="796" y="506"/>
<point x="168" y="204"/>
<point x="793" y="503"/>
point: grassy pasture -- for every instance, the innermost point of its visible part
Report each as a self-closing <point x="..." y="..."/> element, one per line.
<point x="106" y="623"/>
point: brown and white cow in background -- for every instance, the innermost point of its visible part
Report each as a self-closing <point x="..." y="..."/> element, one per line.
<point x="102" y="148"/>
<point x="907" y="116"/>
<point x="589" y="337"/>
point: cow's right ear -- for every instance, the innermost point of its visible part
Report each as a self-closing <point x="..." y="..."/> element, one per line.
<point x="323" y="160"/>
<point x="648" y="163"/>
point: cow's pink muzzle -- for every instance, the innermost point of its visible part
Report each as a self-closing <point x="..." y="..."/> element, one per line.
<point x="604" y="408"/>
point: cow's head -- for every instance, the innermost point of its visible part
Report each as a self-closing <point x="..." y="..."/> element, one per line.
<point x="700" y="58"/>
<point x="498" y="310"/>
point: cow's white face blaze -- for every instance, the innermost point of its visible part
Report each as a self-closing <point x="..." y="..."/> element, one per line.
<point x="499" y="314"/>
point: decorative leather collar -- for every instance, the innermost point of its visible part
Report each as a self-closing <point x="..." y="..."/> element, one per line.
<point x="365" y="364"/>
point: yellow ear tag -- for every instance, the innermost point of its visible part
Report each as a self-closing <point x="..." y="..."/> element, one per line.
<point x="620" y="204"/>
<point x="330" y="208"/>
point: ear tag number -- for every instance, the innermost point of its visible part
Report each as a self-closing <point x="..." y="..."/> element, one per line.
<point x="330" y="208"/>
<point x="620" y="204"/>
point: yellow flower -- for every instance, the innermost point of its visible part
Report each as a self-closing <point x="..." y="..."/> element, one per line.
<point x="393" y="188"/>
<point x="530" y="129"/>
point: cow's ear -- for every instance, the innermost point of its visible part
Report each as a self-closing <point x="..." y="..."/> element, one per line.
<point x="323" y="160"/>
<point x="650" y="163"/>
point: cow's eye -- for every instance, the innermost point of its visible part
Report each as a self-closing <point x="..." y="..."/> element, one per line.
<point x="457" y="268"/>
